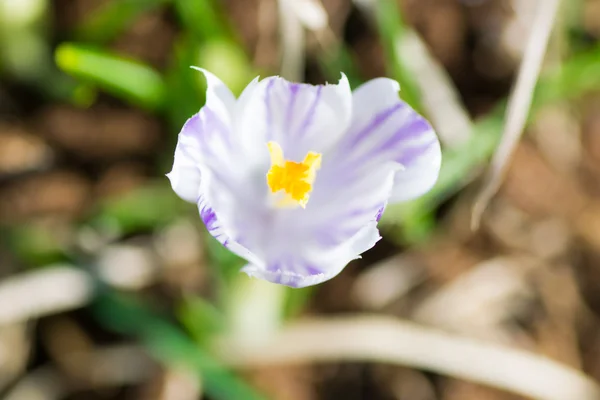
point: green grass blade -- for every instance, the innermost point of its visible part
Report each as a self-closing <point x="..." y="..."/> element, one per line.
<point x="339" y="60"/>
<point x="185" y="95"/>
<point x="202" y="18"/>
<point x="170" y="345"/>
<point x="121" y="77"/>
<point x="391" y="31"/>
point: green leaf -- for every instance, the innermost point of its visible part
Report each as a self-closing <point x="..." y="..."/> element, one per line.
<point x="340" y="60"/>
<point x="569" y="80"/>
<point x="121" y="77"/>
<point x="170" y="345"/>
<point x="226" y="60"/>
<point x="392" y="30"/>
<point x="226" y="264"/>
<point x="202" y="18"/>
<point x="296" y="300"/>
<point x="201" y="318"/>
<point x="35" y="245"/>
<point x="185" y="95"/>
<point x="142" y="209"/>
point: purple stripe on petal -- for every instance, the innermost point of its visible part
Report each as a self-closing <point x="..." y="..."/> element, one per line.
<point x="211" y="222"/>
<point x="189" y="125"/>
<point x="206" y="126"/>
<point x="310" y="270"/>
<point x="277" y="266"/>
<point x="294" y="88"/>
<point x="379" y="214"/>
<point x="410" y="154"/>
<point x="193" y="127"/>
<point x="377" y="121"/>
<point x="417" y="127"/>
<point x="276" y="270"/>
<point x="208" y="217"/>
<point x="407" y="133"/>
<point x="273" y="268"/>
<point x="308" y="119"/>
<point x="291" y="272"/>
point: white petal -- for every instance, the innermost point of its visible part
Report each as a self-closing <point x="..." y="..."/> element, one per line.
<point x="206" y="139"/>
<point x="422" y="175"/>
<point x="301" y="272"/>
<point x="220" y="206"/>
<point x="300" y="117"/>
<point x="386" y="130"/>
<point x="185" y="176"/>
<point x="218" y="96"/>
<point x="305" y="247"/>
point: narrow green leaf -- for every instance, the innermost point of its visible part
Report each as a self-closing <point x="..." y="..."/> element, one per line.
<point x="228" y="61"/>
<point x="296" y="301"/>
<point x="185" y="95"/>
<point x="579" y="75"/>
<point x="121" y="77"/>
<point x="201" y="319"/>
<point x="170" y="345"/>
<point x="391" y="30"/>
<point x="337" y="61"/>
<point x="202" y="18"/>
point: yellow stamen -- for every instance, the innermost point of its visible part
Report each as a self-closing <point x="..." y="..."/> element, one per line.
<point x="294" y="178"/>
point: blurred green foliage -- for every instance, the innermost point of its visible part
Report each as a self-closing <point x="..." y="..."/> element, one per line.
<point x="36" y="245"/>
<point x="110" y="20"/>
<point x="169" y="344"/>
<point x="133" y="81"/>
<point x="392" y="31"/>
<point x="140" y="210"/>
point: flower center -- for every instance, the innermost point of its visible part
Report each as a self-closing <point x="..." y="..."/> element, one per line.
<point x="295" y="179"/>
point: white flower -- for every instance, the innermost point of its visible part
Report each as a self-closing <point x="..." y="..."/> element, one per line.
<point x="294" y="177"/>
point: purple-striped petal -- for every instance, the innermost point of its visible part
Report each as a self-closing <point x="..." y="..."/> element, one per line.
<point x="303" y="247"/>
<point x="384" y="129"/>
<point x="301" y="270"/>
<point x="203" y="140"/>
<point x="299" y="117"/>
<point x="206" y="166"/>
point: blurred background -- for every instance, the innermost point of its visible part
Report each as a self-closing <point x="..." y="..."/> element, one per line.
<point x="110" y="287"/>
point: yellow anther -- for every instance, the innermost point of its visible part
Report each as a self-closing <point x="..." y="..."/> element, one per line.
<point x="295" y="179"/>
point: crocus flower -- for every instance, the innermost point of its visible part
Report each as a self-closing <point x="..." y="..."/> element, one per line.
<point x="294" y="177"/>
